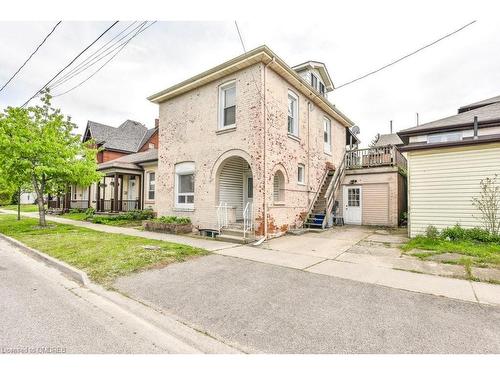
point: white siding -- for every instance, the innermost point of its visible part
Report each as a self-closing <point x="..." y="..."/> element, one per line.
<point x="442" y="183"/>
<point x="231" y="184"/>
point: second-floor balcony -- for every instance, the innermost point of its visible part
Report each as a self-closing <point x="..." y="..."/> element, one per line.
<point x="383" y="156"/>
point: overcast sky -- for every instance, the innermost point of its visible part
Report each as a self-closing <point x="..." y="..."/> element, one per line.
<point x="459" y="70"/>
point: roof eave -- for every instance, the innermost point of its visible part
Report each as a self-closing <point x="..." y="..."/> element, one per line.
<point x="260" y="54"/>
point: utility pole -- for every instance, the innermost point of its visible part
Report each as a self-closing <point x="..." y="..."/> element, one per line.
<point x="417" y="120"/>
<point x="390" y="126"/>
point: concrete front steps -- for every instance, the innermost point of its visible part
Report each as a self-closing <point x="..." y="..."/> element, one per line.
<point x="234" y="233"/>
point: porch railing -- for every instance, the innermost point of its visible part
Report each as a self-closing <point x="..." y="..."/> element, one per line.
<point x="222" y="215"/>
<point x="82" y="204"/>
<point x="375" y="157"/>
<point x="123" y="205"/>
<point x="247" y="219"/>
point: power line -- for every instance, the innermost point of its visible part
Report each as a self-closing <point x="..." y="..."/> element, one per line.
<point x="107" y="61"/>
<point x="32" y="54"/>
<point x="406" y="56"/>
<point x="71" y="62"/>
<point x="84" y="64"/>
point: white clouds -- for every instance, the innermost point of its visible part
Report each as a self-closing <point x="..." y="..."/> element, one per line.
<point x="435" y="83"/>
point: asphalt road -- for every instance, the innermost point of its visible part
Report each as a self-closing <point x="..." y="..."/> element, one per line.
<point x="273" y="309"/>
<point x="40" y="312"/>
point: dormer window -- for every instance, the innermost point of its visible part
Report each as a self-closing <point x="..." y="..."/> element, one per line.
<point x="314" y="81"/>
<point x="322" y="88"/>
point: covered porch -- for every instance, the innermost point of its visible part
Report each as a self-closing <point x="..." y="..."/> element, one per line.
<point x="119" y="191"/>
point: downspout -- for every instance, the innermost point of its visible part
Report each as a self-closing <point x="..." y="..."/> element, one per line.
<point x="308" y="155"/>
<point x="264" y="156"/>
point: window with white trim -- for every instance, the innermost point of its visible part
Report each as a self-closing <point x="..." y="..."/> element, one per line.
<point x="184" y="185"/>
<point x="444" y="137"/>
<point x="151" y="185"/>
<point x="301" y="174"/>
<point x="314" y="81"/>
<point x="327" y="135"/>
<point x="293" y="114"/>
<point x="227" y="105"/>
<point x="322" y="88"/>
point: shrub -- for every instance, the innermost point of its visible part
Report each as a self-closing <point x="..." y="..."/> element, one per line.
<point x="89" y="213"/>
<point x="431" y="232"/>
<point x="135" y="215"/>
<point x="173" y="220"/>
<point x="76" y="210"/>
<point x="457" y="233"/>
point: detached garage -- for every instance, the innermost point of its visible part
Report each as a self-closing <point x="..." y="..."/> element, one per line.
<point x="447" y="159"/>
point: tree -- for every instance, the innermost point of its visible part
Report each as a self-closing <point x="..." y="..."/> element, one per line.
<point x="374" y="140"/>
<point x="488" y="203"/>
<point x="37" y="145"/>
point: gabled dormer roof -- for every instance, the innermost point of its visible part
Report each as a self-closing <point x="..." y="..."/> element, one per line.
<point x="321" y="68"/>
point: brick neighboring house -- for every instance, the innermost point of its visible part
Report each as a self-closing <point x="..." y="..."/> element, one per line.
<point x="254" y="147"/>
<point x="128" y="158"/>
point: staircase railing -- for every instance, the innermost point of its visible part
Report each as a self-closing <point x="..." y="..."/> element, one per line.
<point x="332" y="188"/>
<point x="247" y="219"/>
<point x="222" y="217"/>
<point x="316" y="195"/>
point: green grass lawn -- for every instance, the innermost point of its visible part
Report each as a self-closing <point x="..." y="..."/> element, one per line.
<point x="104" y="256"/>
<point x="24" y="207"/>
<point x="481" y="253"/>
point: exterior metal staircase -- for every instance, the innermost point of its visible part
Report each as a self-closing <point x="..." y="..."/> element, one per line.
<point x="321" y="207"/>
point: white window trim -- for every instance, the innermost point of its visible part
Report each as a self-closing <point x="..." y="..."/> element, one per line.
<point x="295" y="133"/>
<point x="182" y="169"/>
<point x="149" y="184"/>
<point x="303" y="167"/>
<point x="317" y="81"/>
<point x="327" y="146"/>
<point x="444" y="137"/>
<point x="222" y="87"/>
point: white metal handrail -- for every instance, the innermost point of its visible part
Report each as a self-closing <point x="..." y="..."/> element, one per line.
<point x="247" y="219"/>
<point x="222" y="217"/>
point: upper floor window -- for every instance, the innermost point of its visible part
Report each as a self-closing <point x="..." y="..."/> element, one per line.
<point x="184" y="185"/>
<point x="444" y="137"/>
<point x="314" y="81"/>
<point x="327" y="135"/>
<point x="151" y="185"/>
<point x="227" y="105"/>
<point x="322" y="88"/>
<point x="293" y="114"/>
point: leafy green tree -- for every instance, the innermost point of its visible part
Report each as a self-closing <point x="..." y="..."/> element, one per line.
<point x="37" y="145"/>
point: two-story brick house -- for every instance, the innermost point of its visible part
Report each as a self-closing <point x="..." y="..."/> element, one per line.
<point x="245" y="147"/>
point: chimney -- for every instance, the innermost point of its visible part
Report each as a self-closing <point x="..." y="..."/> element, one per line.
<point x="157" y="122"/>
<point x="476" y="127"/>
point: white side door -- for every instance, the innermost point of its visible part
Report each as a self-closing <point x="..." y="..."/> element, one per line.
<point x="352" y="204"/>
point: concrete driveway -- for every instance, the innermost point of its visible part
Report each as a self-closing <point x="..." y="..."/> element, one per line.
<point x="260" y="307"/>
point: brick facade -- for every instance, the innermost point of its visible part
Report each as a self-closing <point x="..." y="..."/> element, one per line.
<point x="189" y="132"/>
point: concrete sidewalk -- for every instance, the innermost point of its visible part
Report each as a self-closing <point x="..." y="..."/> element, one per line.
<point x="332" y="253"/>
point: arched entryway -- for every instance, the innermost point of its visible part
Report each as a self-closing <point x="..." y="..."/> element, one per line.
<point x="235" y="189"/>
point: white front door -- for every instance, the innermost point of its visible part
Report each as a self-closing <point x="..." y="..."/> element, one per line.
<point x="352" y="204"/>
<point x="131" y="188"/>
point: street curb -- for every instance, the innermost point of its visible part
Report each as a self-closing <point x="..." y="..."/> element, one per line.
<point x="70" y="271"/>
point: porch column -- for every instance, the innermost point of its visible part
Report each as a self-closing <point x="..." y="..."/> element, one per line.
<point x="116" y="193"/>
<point x="139" y="185"/>
<point x="98" y="197"/>
<point x="121" y="193"/>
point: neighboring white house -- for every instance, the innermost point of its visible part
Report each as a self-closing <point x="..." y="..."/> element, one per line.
<point x="28" y="198"/>
<point x="447" y="159"/>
